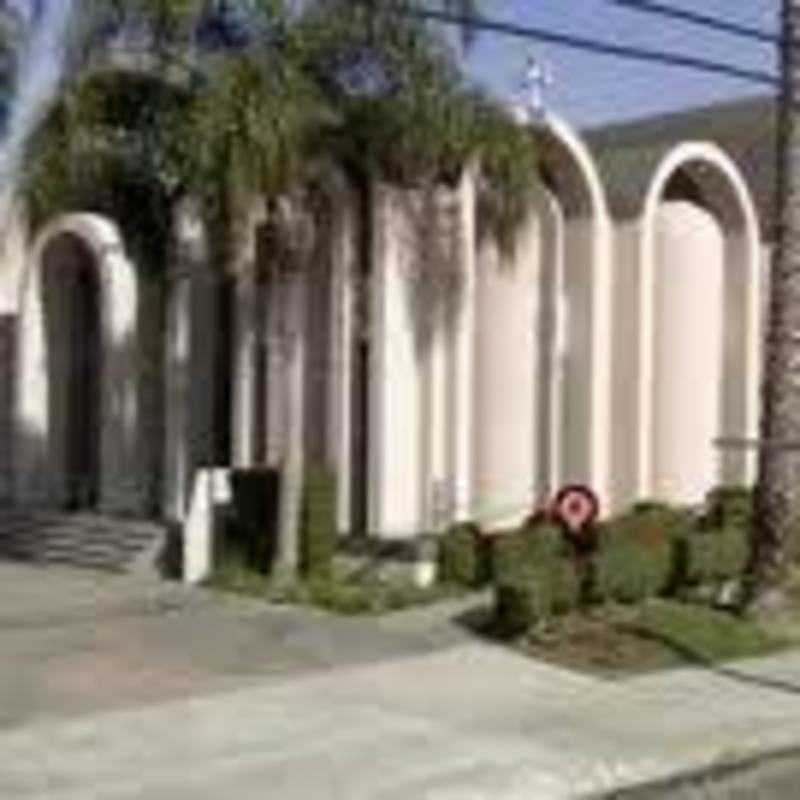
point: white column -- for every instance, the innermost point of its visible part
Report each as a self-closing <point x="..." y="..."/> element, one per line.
<point x="188" y="356"/>
<point x="244" y="406"/>
<point x="464" y="346"/>
<point x="505" y="393"/>
<point x="395" y="408"/>
<point x="291" y="491"/>
<point x="341" y="411"/>
<point x="560" y="345"/>
<point x="626" y="425"/>
<point x="439" y="420"/>
<point x="243" y="384"/>
<point x="176" y="383"/>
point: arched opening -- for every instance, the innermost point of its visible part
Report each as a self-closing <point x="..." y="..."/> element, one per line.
<point x="699" y="326"/>
<point x="71" y="304"/>
<point x="79" y="439"/>
<point x="539" y="361"/>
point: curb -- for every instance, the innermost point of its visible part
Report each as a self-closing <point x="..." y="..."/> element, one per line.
<point x="712" y="778"/>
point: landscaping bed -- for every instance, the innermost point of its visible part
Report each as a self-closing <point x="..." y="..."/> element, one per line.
<point x="343" y="591"/>
<point x="656" y="593"/>
<point x="622" y="640"/>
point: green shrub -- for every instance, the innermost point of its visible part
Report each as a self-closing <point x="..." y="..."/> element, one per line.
<point x="318" y="522"/>
<point x="535" y="595"/>
<point x="463" y="556"/>
<point x="716" y="556"/>
<point x="535" y="578"/>
<point x="629" y="571"/>
<point x="540" y="546"/>
<point x="516" y="607"/>
<point x="729" y="506"/>
<point x="638" y="552"/>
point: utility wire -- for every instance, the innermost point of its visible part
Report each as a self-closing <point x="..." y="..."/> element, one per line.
<point x="579" y="43"/>
<point x="704" y="20"/>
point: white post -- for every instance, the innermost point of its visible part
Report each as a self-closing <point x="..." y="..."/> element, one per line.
<point x="243" y="405"/>
<point x="465" y="356"/>
<point x="291" y="490"/>
<point x="342" y="342"/>
<point x="176" y="383"/>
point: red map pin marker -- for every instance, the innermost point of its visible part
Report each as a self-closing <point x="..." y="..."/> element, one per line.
<point x="576" y="507"/>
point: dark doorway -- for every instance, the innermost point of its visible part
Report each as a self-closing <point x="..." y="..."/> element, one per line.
<point x="72" y="314"/>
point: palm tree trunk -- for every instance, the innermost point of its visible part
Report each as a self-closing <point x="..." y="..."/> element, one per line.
<point x="777" y="495"/>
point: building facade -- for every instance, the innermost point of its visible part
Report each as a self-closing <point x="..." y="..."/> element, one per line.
<point x="441" y="376"/>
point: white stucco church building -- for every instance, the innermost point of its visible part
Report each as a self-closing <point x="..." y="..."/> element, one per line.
<point x="617" y="343"/>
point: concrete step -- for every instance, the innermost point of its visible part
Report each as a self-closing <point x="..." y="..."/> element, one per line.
<point x="80" y="539"/>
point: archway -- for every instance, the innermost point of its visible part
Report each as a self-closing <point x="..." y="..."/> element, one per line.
<point x="78" y="441"/>
<point x="699" y="325"/>
<point x="71" y="298"/>
<point x="542" y="333"/>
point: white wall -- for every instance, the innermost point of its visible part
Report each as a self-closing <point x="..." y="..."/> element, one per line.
<point x="421" y="288"/>
<point x="688" y="350"/>
<point x="395" y="414"/>
<point x="506" y="367"/>
<point x="580" y="372"/>
<point x="626" y="328"/>
<point x="13" y="253"/>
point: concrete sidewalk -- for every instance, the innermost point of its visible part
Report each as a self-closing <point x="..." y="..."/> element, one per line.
<point x="469" y="722"/>
<point x="236" y="700"/>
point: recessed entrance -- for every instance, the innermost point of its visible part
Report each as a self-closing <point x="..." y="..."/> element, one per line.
<point x="72" y="321"/>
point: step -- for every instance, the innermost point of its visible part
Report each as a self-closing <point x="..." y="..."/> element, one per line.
<point x="79" y="539"/>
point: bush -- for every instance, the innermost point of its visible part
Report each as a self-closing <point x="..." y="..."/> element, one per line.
<point x="535" y="578"/>
<point x="515" y="607"/>
<point x="318" y="522"/>
<point x="541" y="546"/>
<point x="716" y="556"/>
<point x="638" y="553"/>
<point x="462" y="556"/>
<point x="535" y="595"/>
<point x="729" y="506"/>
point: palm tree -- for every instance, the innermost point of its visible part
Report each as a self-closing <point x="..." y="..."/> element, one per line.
<point x="777" y="498"/>
<point x="266" y="107"/>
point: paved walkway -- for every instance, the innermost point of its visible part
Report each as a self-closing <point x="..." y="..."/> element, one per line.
<point x="160" y="693"/>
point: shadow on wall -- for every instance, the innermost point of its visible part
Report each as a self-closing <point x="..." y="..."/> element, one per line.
<point x="102" y="446"/>
<point x="432" y="242"/>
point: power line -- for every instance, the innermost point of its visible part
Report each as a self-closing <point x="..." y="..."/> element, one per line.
<point x="704" y="20"/>
<point x="601" y="48"/>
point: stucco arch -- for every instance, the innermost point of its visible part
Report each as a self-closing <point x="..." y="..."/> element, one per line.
<point x="586" y="278"/>
<point x="39" y="476"/>
<point x="731" y="202"/>
<point x="541" y="338"/>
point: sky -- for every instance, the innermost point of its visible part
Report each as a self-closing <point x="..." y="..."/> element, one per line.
<point x="591" y="89"/>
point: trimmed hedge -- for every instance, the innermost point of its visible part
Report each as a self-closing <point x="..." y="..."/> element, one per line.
<point x="715" y="556"/>
<point x="729" y="506"/>
<point x="535" y="578"/>
<point x="653" y="550"/>
<point x="463" y="556"/>
<point x="637" y="554"/>
<point x="318" y="522"/>
<point x="531" y="547"/>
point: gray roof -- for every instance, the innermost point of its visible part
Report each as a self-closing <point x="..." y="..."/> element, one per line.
<point x="628" y="154"/>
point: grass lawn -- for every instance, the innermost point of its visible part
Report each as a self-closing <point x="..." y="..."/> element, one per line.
<point x="614" y="641"/>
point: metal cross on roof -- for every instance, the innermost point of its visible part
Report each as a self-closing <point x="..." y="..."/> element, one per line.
<point x="538" y="76"/>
